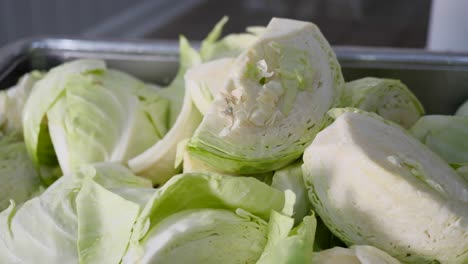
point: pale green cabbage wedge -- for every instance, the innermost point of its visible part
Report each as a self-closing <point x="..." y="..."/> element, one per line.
<point x="19" y="179"/>
<point x="274" y="102"/>
<point x="109" y="116"/>
<point x="175" y="92"/>
<point x="462" y="110"/>
<point x="12" y="103"/>
<point x="445" y="135"/>
<point x="286" y="245"/>
<point x="205" y="218"/>
<point x="290" y="178"/>
<point x="372" y="183"/>
<point x="389" y="98"/>
<point x="43" y="96"/>
<point x="353" y="255"/>
<point x="157" y="162"/>
<point x="81" y="218"/>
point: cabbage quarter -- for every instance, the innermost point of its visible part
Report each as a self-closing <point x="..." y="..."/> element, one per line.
<point x="372" y="183"/>
<point x="273" y="103"/>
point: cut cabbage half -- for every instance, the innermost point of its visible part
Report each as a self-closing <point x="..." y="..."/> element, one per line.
<point x="190" y="89"/>
<point x="373" y="183"/>
<point x="274" y="101"/>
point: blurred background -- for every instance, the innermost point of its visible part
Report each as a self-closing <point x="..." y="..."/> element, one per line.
<point x="396" y="23"/>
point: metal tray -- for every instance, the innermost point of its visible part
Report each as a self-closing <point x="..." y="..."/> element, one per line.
<point x="439" y="80"/>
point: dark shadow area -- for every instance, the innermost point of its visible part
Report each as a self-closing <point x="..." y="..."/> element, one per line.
<point x="397" y="23"/>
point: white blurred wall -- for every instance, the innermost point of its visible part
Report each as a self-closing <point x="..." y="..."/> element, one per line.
<point x="448" y="26"/>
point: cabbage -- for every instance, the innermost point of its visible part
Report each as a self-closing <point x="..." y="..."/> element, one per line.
<point x="42" y="97"/>
<point x="206" y="218"/>
<point x="213" y="48"/>
<point x="95" y="115"/>
<point x="206" y="236"/>
<point x="290" y="178"/>
<point x="288" y="246"/>
<point x="85" y="217"/>
<point x="18" y="176"/>
<point x="12" y="102"/>
<point x="274" y="102"/>
<point x="191" y="164"/>
<point x="206" y="80"/>
<point x="157" y="163"/>
<point x="372" y="183"/>
<point x="445" y="135"/>
<point x="389" y="98"/>
<point x="353" y="255"/>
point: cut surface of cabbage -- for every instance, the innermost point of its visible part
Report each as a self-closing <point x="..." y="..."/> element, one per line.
<point x="373" y="183"/>
<point x="274" y="101"/>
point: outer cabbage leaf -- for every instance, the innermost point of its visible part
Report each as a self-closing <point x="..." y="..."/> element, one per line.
<point x="232" y="45"/>
<point x="43" y="96"/>
<point x="109" y="116"/>
<point x="274" y="102"/>
<point x="290" y="178"/>
<point x="206" y="236"/>
<point x="77" y="219"/>
<point x="157" y="162"/>
<point x="12" y="102"/>
<point x="445" y="135"/>
<point x="286" y="245"/>
<point x="19" y="179"/>
<point x="373" y="183"/>
<point x="353" y="255"/>
<point x="206" y="80"/>
<point x="389" y="98"/>
<point x="226" y="200"/>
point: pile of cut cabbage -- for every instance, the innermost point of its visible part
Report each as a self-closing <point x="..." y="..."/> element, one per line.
<point x="257" y="152"/>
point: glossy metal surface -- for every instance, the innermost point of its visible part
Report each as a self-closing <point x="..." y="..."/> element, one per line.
<point x="440" y="80"/>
